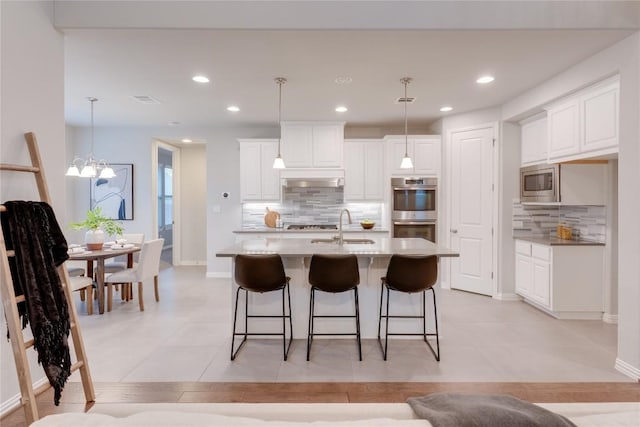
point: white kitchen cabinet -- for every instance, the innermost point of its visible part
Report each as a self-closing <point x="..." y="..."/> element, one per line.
<point x="312" y="144"/>
<point x="585" y="124"/>
<point x="424" y="151"/>
<point x="565" y="281"/>
<point x="258" y="180"/>
<point x="534" y="141"/>
<point x="363" y="166"/>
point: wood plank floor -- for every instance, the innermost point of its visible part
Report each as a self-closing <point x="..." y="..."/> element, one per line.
<point x="199" y="392"/>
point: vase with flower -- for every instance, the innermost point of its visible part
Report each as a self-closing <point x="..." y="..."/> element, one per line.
<point x="97" y="224"/>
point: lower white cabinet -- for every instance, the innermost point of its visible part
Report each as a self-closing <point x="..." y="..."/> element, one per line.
<point x="565" y="281"/>
<point x="364" y="163"/>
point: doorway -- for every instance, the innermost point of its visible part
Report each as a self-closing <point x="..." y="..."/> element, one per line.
<point x="472" y="220"/>
<point x="166" y="201"/>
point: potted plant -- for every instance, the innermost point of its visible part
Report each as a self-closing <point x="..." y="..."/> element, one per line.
<point x="96" y="225"/>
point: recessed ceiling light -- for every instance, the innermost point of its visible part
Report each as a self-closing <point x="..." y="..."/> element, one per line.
<point x="233" y="108"/>
<point x="341" y="109"/>
<point x="446" y="108"/>
<point x="173" y="123"/>
<point x="200" y="79"/>
<point x="485" y="79"/>
<point x="186" y="140"/>
<point x="343" y="80"/>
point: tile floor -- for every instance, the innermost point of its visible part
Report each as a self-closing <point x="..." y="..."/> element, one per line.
<point x="186" y="337"/>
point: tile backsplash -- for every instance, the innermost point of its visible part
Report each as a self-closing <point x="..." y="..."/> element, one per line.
<point x="589" y="222"/>
<point x="311" y="206"/>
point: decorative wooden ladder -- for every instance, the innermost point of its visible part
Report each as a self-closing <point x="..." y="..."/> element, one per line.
<point x="10" y="301"/>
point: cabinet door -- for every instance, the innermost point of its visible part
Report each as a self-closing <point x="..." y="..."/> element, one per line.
<point x="354" y="171"/>
<point x="600" y="124"/>
<point x="296" y="147"/>
<point x="269" y="177"/>
<point x="541" y="282"/>
<point x="534" y="142"/>
<point x="426" y="156"/>
<point x="327" y="146"/>
<point x="373" y="156"/>
<point x="396" y="154"/>
<point x="250" y="165"/>
<point x="564" y="129"/>
<point x="524" y="275"/>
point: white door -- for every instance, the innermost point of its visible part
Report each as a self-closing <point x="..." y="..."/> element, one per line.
<point x="471" y="210"/>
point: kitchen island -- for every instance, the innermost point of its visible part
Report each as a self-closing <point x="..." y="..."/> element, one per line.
<point x="373" y="259"/>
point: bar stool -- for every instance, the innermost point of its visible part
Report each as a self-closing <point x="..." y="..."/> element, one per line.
<point x="410" y="274"/>
<point x="334" y="274"/>
<point x="261" y="273"/>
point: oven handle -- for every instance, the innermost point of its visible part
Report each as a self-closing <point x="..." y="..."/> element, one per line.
<point x="415" y="187"/>
<point x="414" y="222"/>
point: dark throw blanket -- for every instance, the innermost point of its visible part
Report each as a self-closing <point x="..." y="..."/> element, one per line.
<point x="475" y="410"/>
<point x="31" y="230"/>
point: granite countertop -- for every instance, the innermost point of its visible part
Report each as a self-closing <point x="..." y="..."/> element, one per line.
<point x="350" y="229"/>
<point x="554" y="241"/>
<point x="300" y="247"/>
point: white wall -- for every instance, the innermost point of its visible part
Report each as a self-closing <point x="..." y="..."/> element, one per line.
<point x="32" y="100"/>
<point x="622" y="58"/>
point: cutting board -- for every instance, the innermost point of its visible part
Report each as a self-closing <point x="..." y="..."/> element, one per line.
<point x="271" y="217"/>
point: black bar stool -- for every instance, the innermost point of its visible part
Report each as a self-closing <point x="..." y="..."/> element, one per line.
<point x="261" y="273"/>
<point x="334" y="274"/>
<point x="410" y="274"/>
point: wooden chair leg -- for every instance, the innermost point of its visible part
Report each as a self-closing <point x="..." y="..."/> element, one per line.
<point x="82" y="296"/>
<point x="89" y="300"/>
<point x="109" y="296"/>
<point x="140" y="301"/>
<point x="155" y="287"/>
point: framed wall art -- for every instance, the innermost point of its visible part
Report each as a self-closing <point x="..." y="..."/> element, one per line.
<point x="114" y="195"/>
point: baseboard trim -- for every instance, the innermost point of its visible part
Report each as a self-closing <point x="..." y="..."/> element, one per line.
<point x="15" y="402"/>
<point x="193" y="263"/>
<point x="627" y="369"/>
<point x="508" y="297"/>
<point x="218" y="275"/>
<point x="610" y="318"/>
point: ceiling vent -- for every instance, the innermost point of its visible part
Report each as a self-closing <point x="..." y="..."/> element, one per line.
<point x="408" y="100"/>
<point x="145" y="99"/>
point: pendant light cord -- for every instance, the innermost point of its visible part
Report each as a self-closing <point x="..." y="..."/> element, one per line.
<point x="406" y="137"/>
<point x="280" y="81"/>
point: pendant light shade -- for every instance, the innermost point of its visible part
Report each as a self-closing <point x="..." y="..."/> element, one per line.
<point x="406" y="160"/>
<point x="90" y="166"/>
<point x="278" y="163"/>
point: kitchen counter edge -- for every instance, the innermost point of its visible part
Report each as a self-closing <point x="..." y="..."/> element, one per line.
<point x="554" y="241"/>
<point x="281" y="230"/>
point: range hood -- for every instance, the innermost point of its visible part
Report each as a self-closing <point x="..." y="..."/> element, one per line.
<point x="312" y="178"/>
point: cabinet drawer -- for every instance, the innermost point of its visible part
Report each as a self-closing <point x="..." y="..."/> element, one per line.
<point x="523" y="247"/>
<point x="541" y="252"/>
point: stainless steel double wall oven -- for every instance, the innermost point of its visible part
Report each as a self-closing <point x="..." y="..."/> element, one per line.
<point x="414" y="207"/>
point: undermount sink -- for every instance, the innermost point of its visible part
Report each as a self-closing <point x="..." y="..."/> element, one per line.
<point x="344" y="241"/>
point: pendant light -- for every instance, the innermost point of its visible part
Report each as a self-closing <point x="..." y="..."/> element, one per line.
<point x="406" y="160"/>
<point x="278" y="163"/>
<point x="90" y="166"/>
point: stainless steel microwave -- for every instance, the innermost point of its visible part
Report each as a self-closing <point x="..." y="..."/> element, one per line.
<point x="540" y="183"/>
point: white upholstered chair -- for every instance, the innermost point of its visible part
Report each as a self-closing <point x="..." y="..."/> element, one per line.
<point x="120" y="263"/>
<point x="83" y="284"/>
<point x="148" y="267"/>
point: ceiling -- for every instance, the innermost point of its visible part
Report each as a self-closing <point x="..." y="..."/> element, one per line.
<point x="114" y="65"/>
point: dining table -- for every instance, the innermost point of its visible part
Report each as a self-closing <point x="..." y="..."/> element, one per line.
<point x="99" y="256"/>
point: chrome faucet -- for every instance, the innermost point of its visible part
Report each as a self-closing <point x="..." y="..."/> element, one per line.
<point x="340" y="240"/>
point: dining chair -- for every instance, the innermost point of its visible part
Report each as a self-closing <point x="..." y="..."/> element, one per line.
<point x="83" y="285"/>
<point x="120" y="263"/>
<point x="148" y="267"/>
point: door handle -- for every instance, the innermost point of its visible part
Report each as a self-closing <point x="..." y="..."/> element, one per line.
<point x="453" y="230"/>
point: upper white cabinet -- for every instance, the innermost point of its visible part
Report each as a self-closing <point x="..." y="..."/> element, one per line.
<point x="424" y="151"/>
<point x="534" y="140"/>
<point x="258" y="180"/>
<point x="585" y="124"/>
<point x="312" y="144"/>
<point x="363" y="166"/>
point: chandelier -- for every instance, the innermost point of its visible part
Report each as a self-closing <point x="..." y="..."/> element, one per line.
<point x="90" y="166"/>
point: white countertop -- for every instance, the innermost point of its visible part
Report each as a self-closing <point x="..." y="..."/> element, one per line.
<point x="301" y="247"/>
